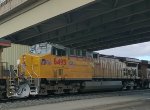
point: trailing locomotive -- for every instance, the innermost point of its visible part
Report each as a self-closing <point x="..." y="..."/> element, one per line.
<point x="54" y="69"/>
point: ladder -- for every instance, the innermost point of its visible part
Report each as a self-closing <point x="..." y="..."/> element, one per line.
<point x="12" y="82"/>
<point x="33" y="87"/>
<point x="34" y="83"/>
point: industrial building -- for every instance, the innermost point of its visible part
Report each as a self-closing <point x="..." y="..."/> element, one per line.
<point x="11" y="54"/>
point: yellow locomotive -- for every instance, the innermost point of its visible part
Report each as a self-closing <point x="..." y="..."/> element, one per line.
<point x="55" y="69"/>
<point x="55" y="66"/>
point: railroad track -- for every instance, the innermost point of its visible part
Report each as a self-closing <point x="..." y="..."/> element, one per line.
<point x="33" y="101"/>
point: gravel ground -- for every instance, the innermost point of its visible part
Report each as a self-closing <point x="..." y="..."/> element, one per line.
<point x="131" y="105"/>
<point x="142" y="105"/>
<point x="128" y="102"/>
<point x="75" y="101"/>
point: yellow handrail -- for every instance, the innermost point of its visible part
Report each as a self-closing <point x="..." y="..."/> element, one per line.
<point x="34" y="72"/>
<point x="27" y="71"/>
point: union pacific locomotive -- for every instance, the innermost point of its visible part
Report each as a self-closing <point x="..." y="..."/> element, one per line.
<point x="54" y="69"/>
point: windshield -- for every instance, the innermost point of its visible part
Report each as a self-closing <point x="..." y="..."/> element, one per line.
<point x="41" y="48"/>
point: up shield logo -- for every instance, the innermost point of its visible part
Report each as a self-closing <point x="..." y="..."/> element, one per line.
<point x="45" y="62"/>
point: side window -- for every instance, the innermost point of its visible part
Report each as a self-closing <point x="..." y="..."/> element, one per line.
<point x="58" y="52"/>
<point x="72" y="52"/>
<point x="95" y="55"/>
<point x="79" y="53"/>
<point x="54" y="52"/>
<point x="63" y="52"/>
<point x="84" y="53"/>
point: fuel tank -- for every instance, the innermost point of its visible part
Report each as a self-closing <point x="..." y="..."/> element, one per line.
<point x="101" y="86"/>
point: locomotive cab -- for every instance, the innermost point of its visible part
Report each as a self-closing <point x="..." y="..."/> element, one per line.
<point x="49" y="64"/>
<point x="46" y="48"/>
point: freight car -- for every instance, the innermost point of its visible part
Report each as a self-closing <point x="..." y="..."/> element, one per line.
<point x="4" y="74"/>
<point x="55" y="69"/>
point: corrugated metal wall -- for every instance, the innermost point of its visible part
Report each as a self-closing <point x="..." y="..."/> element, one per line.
<point x="13" y="53"/>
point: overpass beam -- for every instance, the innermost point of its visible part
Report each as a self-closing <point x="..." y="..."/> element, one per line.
<point x="81" y="25"/>
<point x="38" y="14"/>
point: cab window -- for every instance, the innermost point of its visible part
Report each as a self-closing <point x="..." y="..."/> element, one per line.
<point x="79" y="53"/>
<point x="95" y="55"/>
<point x="84" y="53"/>
<point x="58" y="52"/>
<point x="72" y="52"/>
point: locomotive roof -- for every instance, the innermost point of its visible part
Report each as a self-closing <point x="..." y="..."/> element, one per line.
<point x="145" y="62"/>
<point x="107" y="56"/>
<point x="124" y="59"/>
<point x="129" y="59"/>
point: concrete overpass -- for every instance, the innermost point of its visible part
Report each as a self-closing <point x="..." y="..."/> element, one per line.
<point x="86" y="24"/>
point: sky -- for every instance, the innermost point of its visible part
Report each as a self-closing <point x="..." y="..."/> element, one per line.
<point x="140" y="51"/>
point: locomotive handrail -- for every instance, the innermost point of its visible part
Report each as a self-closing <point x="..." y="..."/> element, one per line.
<point x="27" y="71"/>
<point x="14" y="70"/>
<point x="36" y="76"/>
<point x="34" y="71"/>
